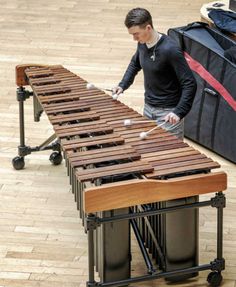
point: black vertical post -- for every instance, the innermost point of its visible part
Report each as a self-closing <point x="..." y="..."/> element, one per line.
<point x="220" y="229"/>
<point x="142" y="247"/>
<point x="90" y="254"/>
<point x="20" y="98"/>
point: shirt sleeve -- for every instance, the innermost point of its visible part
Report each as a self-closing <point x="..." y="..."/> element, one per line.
<point x="186" y="80"/>
<point x="133" y="68"/>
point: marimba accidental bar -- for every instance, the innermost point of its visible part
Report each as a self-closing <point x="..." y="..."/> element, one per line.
<point x="119" y="180"/>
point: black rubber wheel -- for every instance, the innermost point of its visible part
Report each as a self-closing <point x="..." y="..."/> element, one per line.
<point x="55" y="158"/>
<point x="18" y="162"/>
<point x="214" y="278"/>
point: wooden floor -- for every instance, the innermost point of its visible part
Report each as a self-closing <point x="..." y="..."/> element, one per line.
<point x="42" y="242"/>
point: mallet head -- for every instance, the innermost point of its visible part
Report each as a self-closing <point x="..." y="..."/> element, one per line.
<point x="143" y="135"/>
<point x="90" y="86"/>
<point x="127" y="122"/>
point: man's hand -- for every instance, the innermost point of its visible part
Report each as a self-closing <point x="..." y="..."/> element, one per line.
<point x="117" y="90"/>
<point x="172" y="118"/>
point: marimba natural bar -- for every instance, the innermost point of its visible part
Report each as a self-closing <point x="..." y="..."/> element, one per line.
<point x="119" y="180"/>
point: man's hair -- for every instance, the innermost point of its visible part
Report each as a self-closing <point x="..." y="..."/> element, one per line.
<point x="138" y="17"/>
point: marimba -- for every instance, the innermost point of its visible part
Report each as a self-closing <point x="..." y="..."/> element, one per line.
<point x="119" y="180"/>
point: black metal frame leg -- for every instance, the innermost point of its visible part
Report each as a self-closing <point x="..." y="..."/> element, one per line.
<point x="23" y="150"/>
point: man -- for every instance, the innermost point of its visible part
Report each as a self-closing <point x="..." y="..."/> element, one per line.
<point x="168" y="81"/>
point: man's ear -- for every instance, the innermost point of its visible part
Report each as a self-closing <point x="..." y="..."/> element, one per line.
<point x="149" y="27"/>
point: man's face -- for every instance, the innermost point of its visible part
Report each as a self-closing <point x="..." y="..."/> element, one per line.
<point x="142" y="35"/>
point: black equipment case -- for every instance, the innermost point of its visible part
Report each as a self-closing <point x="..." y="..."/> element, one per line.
<point x="211" y="56"/>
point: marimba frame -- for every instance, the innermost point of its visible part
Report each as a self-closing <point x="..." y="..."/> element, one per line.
<point x="18" y="162"/>
<point x="216" y="266"/>
<point x="92" y="201"/>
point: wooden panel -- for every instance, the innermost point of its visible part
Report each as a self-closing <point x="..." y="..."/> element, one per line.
<point x="134" y="192"/>
<point x="69" y="109"/>
<point x="83" y="116"/>
<point x="21" y="78"/>
<point x="100" y="151"/>
<point x="158" y="148"/>
<point x="132" y="156"/>
<point x="184" y="158"/>
<point x="57" y="107"/>
<point x="54" y="89"/>
<point x="38" y="73"/>
<point x="70" y="96"/>
<point x="110" y="137"/>
<point x="84" y="125"/>
<point x="91" y="174"/>
<point x="44" y="81"/>
<point x="95" y="141"/>
<point x="103" y="155"/>
<point x="166" y="153"/>
<point x="146" y="145"/>
<point x="83" y="131"/>
<point x="52" y="106"/>
<point x="120" y="121"/>
<point x="185" y="168"/>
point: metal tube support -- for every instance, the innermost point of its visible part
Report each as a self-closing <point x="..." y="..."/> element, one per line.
<point x="219" y="202"/>
<point x="21" y="120"/>
<point x="220" y="231"/>
<point x="45" y="144"/>
<point x="154" y="212"/>
<point x="154" y="276"/>
<point x="142" y="247"/>
<point x="156" y="245"/>
<point x="90" y="257"/>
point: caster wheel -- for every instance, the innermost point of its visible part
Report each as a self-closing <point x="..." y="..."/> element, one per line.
<point x="214" y="279"/>
<point x="18" y="162"/>
<point x="55" y="158"/>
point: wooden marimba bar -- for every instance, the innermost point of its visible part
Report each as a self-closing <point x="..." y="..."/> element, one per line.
<point x="120" y="180"/>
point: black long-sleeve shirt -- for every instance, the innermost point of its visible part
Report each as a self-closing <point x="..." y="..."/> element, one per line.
<point x="168" y="80"/>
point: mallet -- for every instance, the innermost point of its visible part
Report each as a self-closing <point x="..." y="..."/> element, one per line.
<point x="91" y="86"/>
<point x="144" y="135"/>
<point x="129" y="122"/>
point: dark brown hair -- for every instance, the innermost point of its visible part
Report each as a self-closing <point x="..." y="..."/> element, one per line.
<point x="138" y="17"/>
